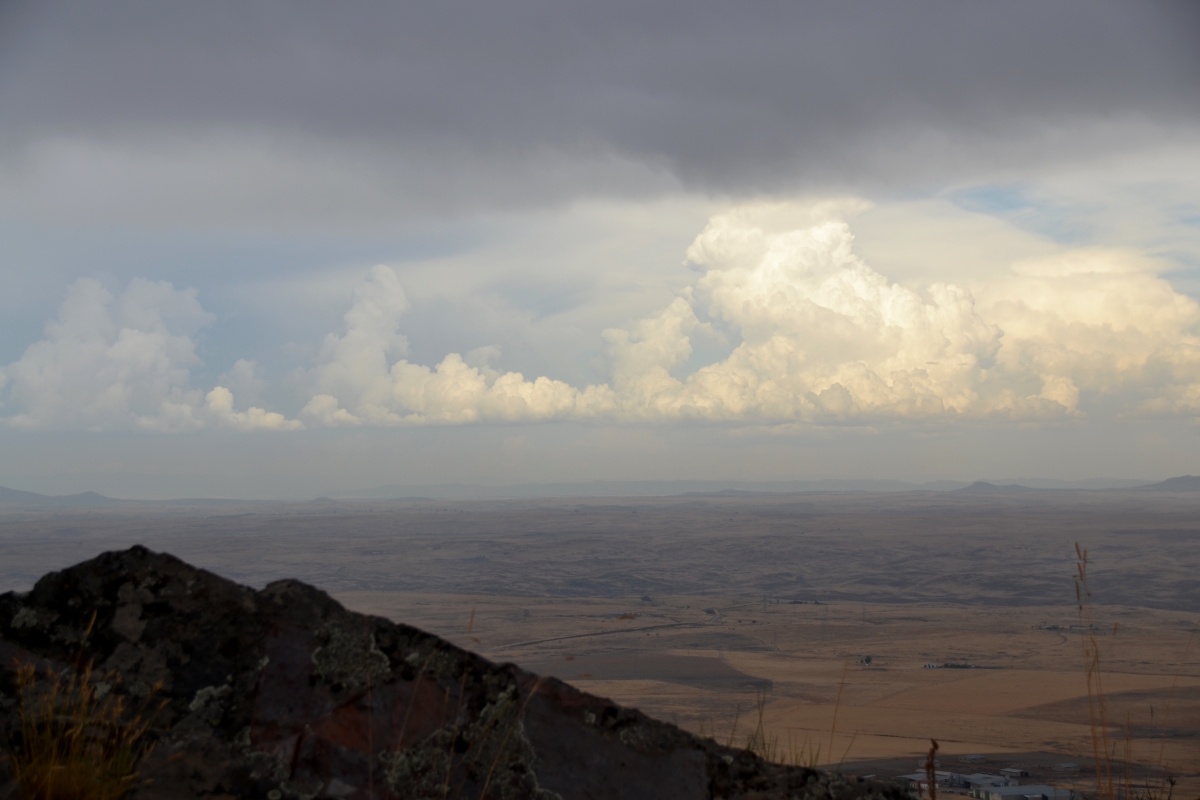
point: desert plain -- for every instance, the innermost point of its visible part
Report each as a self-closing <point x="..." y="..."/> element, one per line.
<point x="813" y="618"/>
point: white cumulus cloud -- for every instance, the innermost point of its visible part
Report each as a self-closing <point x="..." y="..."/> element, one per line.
<point x="218" y="406"/>
<point x="823" y="335"/>
<point x="824" y="338"/>
<point x="1099" y="323"/>
<point x="119" y="362"/>
<point x="356" y="384"/>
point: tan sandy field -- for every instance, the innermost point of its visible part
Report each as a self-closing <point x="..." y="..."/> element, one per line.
<point x="1028" y="693"/>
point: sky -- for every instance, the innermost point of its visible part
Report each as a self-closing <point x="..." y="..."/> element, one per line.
<point x="288" y="249"/>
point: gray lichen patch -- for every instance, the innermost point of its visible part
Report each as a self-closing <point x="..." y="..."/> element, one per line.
<point x="647" y="739"/>
<point x="435" y="662"/>
<point x="209" y="694"/>
<point x="421" y="773"/>
<point x="350" y="657"/>
<point x="491" y="752"/>
<point x="24" y="618"/>
<point x="27" y="618"/>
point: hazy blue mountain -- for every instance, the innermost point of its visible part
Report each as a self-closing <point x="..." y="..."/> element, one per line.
<point x="983" y="487"/>
<point x="1086" y="483"/>
<point x="21" y="499"/>
<point x="9" y="496"/>
<point x="1184" y="483"/>
<point x="639" y="489"/>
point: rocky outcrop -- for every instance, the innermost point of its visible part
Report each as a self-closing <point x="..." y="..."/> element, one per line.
<point x="283" y="693"/>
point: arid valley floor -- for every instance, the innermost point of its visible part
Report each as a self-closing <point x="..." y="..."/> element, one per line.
<point x="704" y="610"/>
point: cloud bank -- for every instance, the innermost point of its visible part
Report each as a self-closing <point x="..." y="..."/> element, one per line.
<point x="307" y="113"/>
<point x="821" y="338"/>
<point x="826" y="339"/>
<point x="123" y="362"/>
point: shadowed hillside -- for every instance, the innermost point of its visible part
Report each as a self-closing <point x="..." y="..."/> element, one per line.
<point x="283" y="693"/>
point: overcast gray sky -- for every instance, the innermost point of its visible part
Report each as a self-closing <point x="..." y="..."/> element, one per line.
<point x="276" y="249"/>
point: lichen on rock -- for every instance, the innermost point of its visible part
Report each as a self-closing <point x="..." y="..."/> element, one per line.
<point x="24" y="618"/>
<point x="350" y="657"/>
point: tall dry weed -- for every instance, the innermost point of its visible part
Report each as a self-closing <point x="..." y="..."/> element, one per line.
<point x="796" y="752"/>
<point x="931" y="769"/>
<point x="1115" y="774"/>
<point x="77" y="742"/>
<point x="1097" y="707"/>
<point x="77" y="739"/>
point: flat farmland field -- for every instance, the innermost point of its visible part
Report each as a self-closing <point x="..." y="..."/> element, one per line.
<point x="815" y="615"/>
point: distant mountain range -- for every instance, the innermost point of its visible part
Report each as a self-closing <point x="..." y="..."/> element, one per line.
<point x="1184" y="483"/>
<point x="983" y="487"/>
<point x="17" y="499"/>
<point x="449" y="491"/>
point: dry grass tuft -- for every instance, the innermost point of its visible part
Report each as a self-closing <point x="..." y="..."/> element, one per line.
<point x="1114" y="774"/>
<point x="795" y="752"/>
<point x="77" y="741"/>
<point x="1097" y="709"/>
<point x="931" y="768"/>
<point x="767" y="746"/>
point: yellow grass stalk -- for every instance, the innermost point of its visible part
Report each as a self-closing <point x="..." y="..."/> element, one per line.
<point x="1112" y="771"/>
<point x="1097" y="709"/>
<point x="931" y="769"/>
<point x="837" y="705"/>
<point x="75" y="744"/>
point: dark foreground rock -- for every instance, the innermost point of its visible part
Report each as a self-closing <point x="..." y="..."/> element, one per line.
<point x="282" y="693"/>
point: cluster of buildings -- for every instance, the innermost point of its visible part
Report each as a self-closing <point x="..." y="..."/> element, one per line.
<point x="1004" y="785"/>
<point x="1028" y="792"/>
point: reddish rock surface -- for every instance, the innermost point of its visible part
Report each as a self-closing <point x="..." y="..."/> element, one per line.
<point x="282" y="693"/>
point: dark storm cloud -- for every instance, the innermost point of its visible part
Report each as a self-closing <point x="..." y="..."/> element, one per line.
<point x="720" y="95"/>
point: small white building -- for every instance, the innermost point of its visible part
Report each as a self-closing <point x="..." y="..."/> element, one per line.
<point x="1031" y="792"/>
<point x="955" y="780"/>
<point x="984" y="780"/>
<point x="945" y="779"/>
